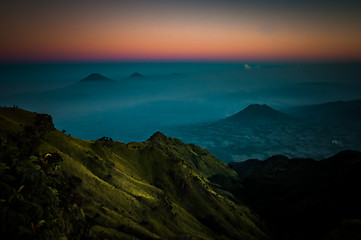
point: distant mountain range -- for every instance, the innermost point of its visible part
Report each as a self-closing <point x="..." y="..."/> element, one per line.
<point x="168" y="102"/>
<point x="341" y="111"/>
<point x="134" y="76"/>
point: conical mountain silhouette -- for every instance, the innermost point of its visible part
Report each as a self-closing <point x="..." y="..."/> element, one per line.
<point x="95" y="77"/>
<point x="256" y="112"/>
<point x="135" y="76"/>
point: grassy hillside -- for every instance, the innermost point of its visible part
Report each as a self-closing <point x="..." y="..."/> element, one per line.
<point x="60" y="187"/>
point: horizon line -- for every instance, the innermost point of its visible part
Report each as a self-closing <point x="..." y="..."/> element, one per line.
<point x="180" y="60"/>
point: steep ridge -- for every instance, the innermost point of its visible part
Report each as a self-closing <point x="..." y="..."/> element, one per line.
<point x="103" y="189"/>
<point x="304" y="198"/>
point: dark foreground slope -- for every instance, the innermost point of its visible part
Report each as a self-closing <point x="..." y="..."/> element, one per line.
<point x="304" y="198"/>
<point x="54" y="186"/>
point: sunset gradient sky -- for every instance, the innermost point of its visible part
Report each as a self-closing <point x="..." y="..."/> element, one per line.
<point x="180" y="30"/>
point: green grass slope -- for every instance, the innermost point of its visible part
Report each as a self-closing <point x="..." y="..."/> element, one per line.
<point x="103" y="189"/>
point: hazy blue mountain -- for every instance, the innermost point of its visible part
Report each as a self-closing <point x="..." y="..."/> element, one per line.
<point x="96" y="77"/>
<point x="259" y="131"/>
<point x="258" y="113"/>
<point x="340" y="111"/>
<point x="198" y="93"/>
<point x="135" y="76"/>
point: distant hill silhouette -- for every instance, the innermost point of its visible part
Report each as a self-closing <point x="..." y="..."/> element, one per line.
<point x="96" y="77"/>
<point x="258" y="112"/>
<point x="344" y="111"/>
<point x="135" y="76"/>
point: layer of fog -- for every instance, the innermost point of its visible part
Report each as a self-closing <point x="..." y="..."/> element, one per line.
<point x="169" y="94"/>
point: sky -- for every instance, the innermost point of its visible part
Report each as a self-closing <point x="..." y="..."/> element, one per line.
<point x="89" y="30"/>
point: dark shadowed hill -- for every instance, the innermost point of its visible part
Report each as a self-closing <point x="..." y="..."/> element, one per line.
<point x="54" y="186"/>
<point x="304" y="198"/>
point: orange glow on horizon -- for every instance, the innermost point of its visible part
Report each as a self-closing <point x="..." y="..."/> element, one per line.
<point x="147" y="35"/>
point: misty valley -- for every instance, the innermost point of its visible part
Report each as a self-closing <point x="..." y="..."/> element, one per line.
<point x="260" y="132"/>
<point x="309" y="110"/>
<point x="180" y="150"/>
